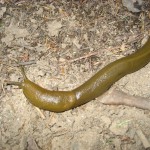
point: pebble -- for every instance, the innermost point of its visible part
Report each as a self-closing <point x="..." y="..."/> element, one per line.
<point x="106" y="120"/>
<point x="119" y="127"/>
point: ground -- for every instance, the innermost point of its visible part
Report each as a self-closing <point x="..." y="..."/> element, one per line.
<point x="62" y="44"/>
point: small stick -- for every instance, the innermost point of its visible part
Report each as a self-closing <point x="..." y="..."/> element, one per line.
<point x="40" y="112"/>
<point x="25" y="63"/>
<point x="52" y="116"/>
<point x="89" y="55"/>
<point x="86" y="56"/>
<point x="82" y="57"/>
<point x="13" y="83"/>
<point x="115" y="97"/>
<point x="143" y="138"/>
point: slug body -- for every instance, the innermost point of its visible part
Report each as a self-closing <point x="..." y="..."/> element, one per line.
<point x="59" y="101"/>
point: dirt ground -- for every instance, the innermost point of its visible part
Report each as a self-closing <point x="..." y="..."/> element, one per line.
<point x="62" y="44"/>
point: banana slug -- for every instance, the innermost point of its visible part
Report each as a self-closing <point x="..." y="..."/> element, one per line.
<point x="59" y="101"/>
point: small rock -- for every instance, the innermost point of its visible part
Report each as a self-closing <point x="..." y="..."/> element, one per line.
<point x="119" y="127"/>
<point x="33" y="20"/>
<point x="2" y="11"/>
<point x="14" y="77"/>
<point x="62" y="60"/>
<point x="117" y="144"/>
<point x="40" y="11"/>
<point x="8" y="39"/>
<point x="133" y="5"/>
<point x="63" y="45"/>
<point x="32" y="144"/>
<point x="13" y="29"/>
<point x="23" y="143"/>
<point x="106" y="120"/>
<point x="41" y="73"/>
<point x="54" y="27"/>
<point x="2" y="1"/>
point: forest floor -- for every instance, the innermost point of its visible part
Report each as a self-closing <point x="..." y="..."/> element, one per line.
<point x="62" y="44"/>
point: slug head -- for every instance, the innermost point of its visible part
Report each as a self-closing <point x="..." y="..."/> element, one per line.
<point x="19" y="84"/>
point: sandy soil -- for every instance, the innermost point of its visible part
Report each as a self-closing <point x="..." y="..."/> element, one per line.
<point x="62" y="44"/>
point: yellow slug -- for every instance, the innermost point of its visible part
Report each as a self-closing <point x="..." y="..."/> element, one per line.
<point x="59" y="101"/>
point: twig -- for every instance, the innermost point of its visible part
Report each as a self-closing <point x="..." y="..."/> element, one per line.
<point x="86" y="56"/>
<point x="26" y="63"/>
<point x="79" y="58"/>
<point x="143" y="138"/>
<point x="89" y="55"/>
<point x="40" y="112"/>
<point x="52" y="116"/>
<point x="115" y="97"/>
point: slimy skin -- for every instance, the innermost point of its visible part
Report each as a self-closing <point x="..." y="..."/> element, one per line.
<point x="59" y="101"/>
